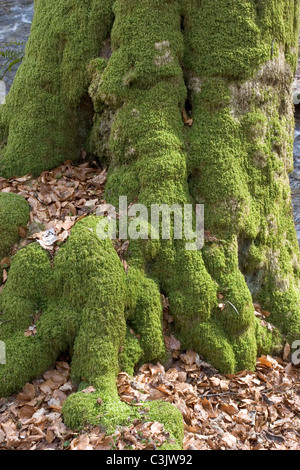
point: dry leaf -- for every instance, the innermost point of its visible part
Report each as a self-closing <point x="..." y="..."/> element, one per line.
<point x="5" y="262"/>
<point x="26" y="412"/>
<point x="230" y="408"/>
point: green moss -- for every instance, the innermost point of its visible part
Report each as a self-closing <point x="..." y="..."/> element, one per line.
<point x="239" y="90"/>
<point x="85" y="314"/>
<point x="266" y="339"/>
<point x="101" y="407"/>
<point x="146" y="316"/>
<point x="238" y="37"/>
<point x="130" y="353"/>
<point x="236" y="102"/>
<point x="235" y="67"/>
<point x="93" y="264"/>
<point x="47" y="112"/>
<point x="14" y="213"/>
<point x="170" y="417"/>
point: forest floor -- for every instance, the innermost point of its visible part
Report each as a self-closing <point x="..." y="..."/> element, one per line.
<point x="249" y="410"/>
<point x="246" y="411"/>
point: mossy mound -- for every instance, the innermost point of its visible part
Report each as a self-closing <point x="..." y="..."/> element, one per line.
<point x="226" y="64"/>
<point x="48" y="112"/>
<point x="84" y="313"/>
<point x="154" y="71"/>
<point x="14" y="213"/>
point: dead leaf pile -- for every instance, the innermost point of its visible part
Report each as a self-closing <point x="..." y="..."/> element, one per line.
<point x="32" y="419"/>
<point x="245" y="411"/>
<point x="58" y="199"/>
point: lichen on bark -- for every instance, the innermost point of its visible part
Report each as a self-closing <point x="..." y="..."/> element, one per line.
<point x="230" y="63"/>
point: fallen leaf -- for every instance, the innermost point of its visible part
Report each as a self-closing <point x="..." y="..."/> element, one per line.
<point x="26" y="412"/>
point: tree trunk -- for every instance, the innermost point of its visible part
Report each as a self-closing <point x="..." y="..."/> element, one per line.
<point x="188" y="102"/>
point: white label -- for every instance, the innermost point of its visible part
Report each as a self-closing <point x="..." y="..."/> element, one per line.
<point x="2" y="353"/>
<point x="2" y="92"/>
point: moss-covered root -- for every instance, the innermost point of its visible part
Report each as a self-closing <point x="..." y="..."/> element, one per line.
<point x="143" y="87"/>
<point x="106" y="408"/>
<point x="81" y="305"/>
<point x="20" y="304"/>
<point x="14" y="213"/>
<point x="240" y="93"/>
<point x="47" y="112"/>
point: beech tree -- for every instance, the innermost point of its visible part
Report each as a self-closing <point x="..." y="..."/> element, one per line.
<point x="186" y="102"/>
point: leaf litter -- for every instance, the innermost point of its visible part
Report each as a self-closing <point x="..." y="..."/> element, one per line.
<point x="245" y="411"/>
<point x="57" y="199"/>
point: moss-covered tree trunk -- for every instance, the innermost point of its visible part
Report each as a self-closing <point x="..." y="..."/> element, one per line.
<point x="119" y="79"/>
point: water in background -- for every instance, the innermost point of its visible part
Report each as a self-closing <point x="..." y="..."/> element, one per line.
<point x="295" y="176"/>
<point x="15" y="23"/>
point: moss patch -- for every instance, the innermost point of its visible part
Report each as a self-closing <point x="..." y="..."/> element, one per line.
<point x="48" y="111"/>
<point x="231" y="71"/>
<point x="14" y="213"/>
<point x="84" y="314"/>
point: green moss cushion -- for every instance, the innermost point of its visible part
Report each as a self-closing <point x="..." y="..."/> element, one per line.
<point x="14" y="213"/>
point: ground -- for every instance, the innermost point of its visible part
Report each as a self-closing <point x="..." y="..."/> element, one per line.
<point x="247" y="410"/>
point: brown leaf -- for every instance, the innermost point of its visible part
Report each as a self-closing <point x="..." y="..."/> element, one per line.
<point x="99" y="180"/>
<point x="22" y="232"/>
<point x="229" y="440"/>
<point x="62" y="366"/>
<point x="89" y="389"/>
<point x="188" y="121"/>
<point x="48" y="386"/>
<point x="28" y="391"/>
<point x="243" y="417"/>
<point x="59" y="379"/>
<point x="105" y="444"/>
<point x="5" y="262"/>
<point x="11" y="433"/>
<point x="80" y="442"/>
<point x="172" y="343"/>
<point x="230" y="408"/>
<point x="286" y="352"/>
<point x="50" y="435"/>
<point x="26" y="412"/>
<point x="266" y="361"/>
<point x="189" y="358"/>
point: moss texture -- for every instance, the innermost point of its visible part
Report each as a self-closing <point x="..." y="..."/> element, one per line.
<point x="238" y="94"/>
<point x="85" y="314"/>
<point x="48" y="111"/>
<point x="230" y="63"/>
<point x="14" y="213"/>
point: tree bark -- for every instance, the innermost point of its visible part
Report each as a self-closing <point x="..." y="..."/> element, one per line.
<point x="188" y="102"/>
